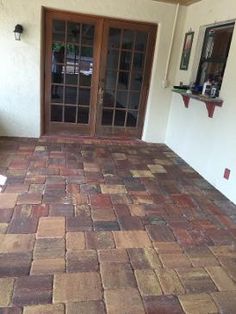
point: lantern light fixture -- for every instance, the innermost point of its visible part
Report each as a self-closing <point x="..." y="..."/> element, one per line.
<point x="18" y="31"/>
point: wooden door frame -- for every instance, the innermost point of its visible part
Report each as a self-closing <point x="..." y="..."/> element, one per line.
<point x="97" y="56"/>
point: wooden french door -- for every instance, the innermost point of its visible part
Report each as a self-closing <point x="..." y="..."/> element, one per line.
<point x="97" y="74"/>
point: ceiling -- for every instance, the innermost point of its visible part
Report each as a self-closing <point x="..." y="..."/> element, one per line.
<point x="182" y="2"/>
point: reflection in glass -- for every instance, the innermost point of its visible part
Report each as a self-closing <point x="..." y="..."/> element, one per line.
<point x="70" y="95"/>
<point x="57" y="94"/>
<point x="73" y="32"/>
<point x="134" y="100"/>
<point x="119" y="118"/>
<point x="56" y="113"/>
<point x="107" y="117"/>
<point x="87" y="34"/>
<point x="125" y="60"/>
<point x="86" y="52"/>
<point x="70" y="114"/>
<point x="138" y="61"/>
<point x="112" y="59"/>
<point x="131" y="119"/>
<point x="83" y="115"/>
<point x="71" y="76"/>
<point x="108" y="98"/>
<point x="123" y="81"/>
<point x="111" y="79"/>
<point x="114" y="38"/>
<point x="85" y="79"/>
<point x="84" y="97"/>
<point x="136" y="81"/>
<point x="141" y="41"/>
<point x="72" y="54"/>
<point x="121" y="99"/>
<point x="128" y="39"/>
<point x="58" y="30"/>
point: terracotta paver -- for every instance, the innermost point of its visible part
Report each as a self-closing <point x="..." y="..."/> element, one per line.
<point x="198" y="303"/>
<point x="131" y="239"/>
<point x="6" y="290"/>
<point x="51" y="227"/>
<point x="76" y="287"/>
<point x="123" y="301"/>
<point x="100" y="226"/>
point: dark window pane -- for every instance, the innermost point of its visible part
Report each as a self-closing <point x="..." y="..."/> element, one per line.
<point x="71" y="76"/>
<point x="119" y="118"/>
<point x="134" y="100"/>
<point x="131" y="119"/>
<point x="84" y="97"/>
<point x="112" y="59"/>
<point x="83" y="115"/>
<point x="72" y="55"/>
<point x="57" y="94"/>
<point x="125" y="60"/>
<point x="58" y="26"/>
<point x="123" y="80"/>
<point x="128" y="39"/>
<point x="70" y="114"/>
<point x="141" y="41"/>
<point x="86" y="66"/>
<point x="138" y="61"/>
<point x="108" y="98"/>
<point x="70" y="95"/>
<point x="73" y="32"/>
<point x="86" y="52"/>
<point x="107" y="117"/>
<point x="87" y="34"/>
<point x="136" y="81"/>
<point x="121" y="99"/>
<point x="56" y="113"/>
<point x="57" y="64"/>
<point x="58" y="30"/>
<point x="114" y="38"/>
<point x="111" y="79"/>
<point x="85" y="80"/>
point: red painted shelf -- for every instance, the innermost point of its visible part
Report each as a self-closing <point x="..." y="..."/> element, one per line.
<point x="210" y="103"/>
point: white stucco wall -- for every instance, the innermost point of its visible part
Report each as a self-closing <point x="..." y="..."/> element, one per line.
<point x="208" y="145"/>
<point x="20" y="61"/>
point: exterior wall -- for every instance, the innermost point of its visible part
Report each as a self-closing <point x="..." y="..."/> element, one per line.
<point x="20" y="61"/>
<point x="208" y="145"/>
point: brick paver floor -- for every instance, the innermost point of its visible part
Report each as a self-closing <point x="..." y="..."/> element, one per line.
<point x="98" y="226"/>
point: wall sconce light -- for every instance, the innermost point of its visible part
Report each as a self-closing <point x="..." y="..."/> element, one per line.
<point x="18" y="31"/>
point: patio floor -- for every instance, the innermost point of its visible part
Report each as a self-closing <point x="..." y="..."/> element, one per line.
<point x="97" y="226"/>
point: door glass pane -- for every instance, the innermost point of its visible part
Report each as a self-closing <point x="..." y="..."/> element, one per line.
<point x="108" y="98"/>
<point x="85" y="77"/>
<point x="107" y="117"/>
<point x="56" y="113"/>
<point x="121" y="99"/>
<point x="84" y="96"/>
<point x="57" y="94"/>
<point x="58" y="30"/>
<point x="134" y="100"/>
<point x="112" y="59"/>
<point x="57" y="63"/>
<point x="141" y="41"/>
<point x="136" y="81"/>
<point x="132" y="119"/>
<point x="73" y="32"/>
<point x="70" y="114"/>
<point x="138" y="61"/>
<point x="87" y="34"/>
<point x="119" y="118"/>
<point x="114" y="38"/>
<point x="123" y="82"/>
<point x="87" y="53"/>
<point x="83" y="115"/>
<point x="111" y="79"/>
<point x="72" y="54"/>
<point x="125" y="60"/>
<point x="70" y="95"/>
<point x="128" y="39"/>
